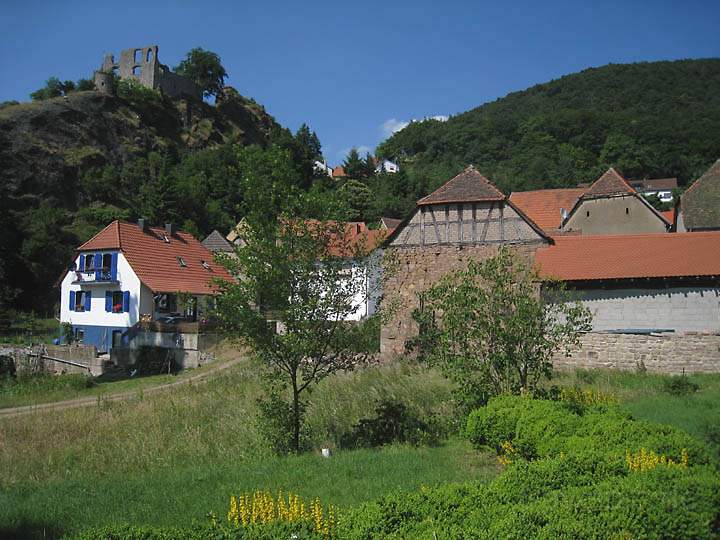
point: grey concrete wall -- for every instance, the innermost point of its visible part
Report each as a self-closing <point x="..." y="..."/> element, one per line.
<point x="683" y="309"/>
<point x="689" y="353"/>
<point x="614" y="215"/>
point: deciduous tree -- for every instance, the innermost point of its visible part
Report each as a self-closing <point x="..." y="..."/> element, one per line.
<point x="491" y="329"/>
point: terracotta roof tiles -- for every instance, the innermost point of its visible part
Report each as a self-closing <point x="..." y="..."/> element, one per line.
<point x="661" y="255"/>
<point x="544" y="206"/>
<point x="157" y="262"/>
<point x="610" y="183"/>
<point x="468" y="186"/>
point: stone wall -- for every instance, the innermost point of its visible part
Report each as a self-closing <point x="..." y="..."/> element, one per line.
<point x="418" y="268"/>
<point x="663" y="353"/>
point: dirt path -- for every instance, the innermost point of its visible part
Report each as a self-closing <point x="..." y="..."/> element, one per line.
<point x="120" y="396"/>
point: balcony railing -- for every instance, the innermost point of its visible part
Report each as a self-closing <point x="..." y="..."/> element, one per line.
<point x="101" y="275"/>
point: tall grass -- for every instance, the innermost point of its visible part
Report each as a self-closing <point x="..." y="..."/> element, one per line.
<point x="198" y="423"/>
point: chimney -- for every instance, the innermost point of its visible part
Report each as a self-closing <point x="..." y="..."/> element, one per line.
<point x="143" y="225"/>
<point x="169" y="229"/>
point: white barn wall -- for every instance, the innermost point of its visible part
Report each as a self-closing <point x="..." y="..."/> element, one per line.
<point x="683" y="309"/>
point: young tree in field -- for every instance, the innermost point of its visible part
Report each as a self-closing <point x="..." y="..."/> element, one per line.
<point x="295" y="272"/>
<point x="204" y="68"/>
<point x="492" y="331"/>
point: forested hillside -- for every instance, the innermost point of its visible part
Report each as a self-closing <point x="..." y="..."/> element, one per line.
<point x="71" y="164"/>
<point x="658" y="119"/>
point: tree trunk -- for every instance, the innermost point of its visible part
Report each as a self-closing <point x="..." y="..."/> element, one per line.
<point x="296" y="415"/>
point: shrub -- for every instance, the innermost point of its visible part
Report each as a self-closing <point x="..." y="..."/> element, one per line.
<point x="540" y="429"/>
<point x="275" y="422"/>
<point x="680" y="386"/>
<point x="393" y="422"/>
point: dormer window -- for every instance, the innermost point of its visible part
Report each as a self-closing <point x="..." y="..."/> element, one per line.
<point x="181" y="262"/>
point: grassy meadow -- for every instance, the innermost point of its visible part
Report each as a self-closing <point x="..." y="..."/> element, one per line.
<point x="170" y="458"/>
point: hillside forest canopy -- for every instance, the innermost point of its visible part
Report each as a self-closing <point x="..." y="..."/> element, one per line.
<point x="648" y="120"/>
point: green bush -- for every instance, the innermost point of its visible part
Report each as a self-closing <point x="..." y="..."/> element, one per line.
<point x="393" y="422"/>
<point x="540" y="429"/>
<point x="569" y="480"/>
<point x="680" y="386"/>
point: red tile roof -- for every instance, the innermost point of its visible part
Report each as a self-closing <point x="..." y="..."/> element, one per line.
<point x="543" y="205"/>
<point x="358" y="238"/>
<point x="338" y="172"/>
<point x="156" y="262"/>
<point x="661" y="255"/>
<point x="468" y="186"/>
<point x="610" y="183"/>
<point x="669" y="215"/>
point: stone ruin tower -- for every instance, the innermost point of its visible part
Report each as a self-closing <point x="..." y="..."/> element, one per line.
<point x="144" y="66"/>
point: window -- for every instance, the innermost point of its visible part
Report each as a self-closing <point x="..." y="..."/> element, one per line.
<point x="166" y="239"/>
<point x="89" y="262"/>
<point x="627" y="211"/>
<point x="117" y="302"/>
<point x="106" y="261"/>
<point x="206" y="266"/>
<point x="117" y="338"/>
<point x="181" y="262"/>
<point x="137" y="70"/>
<point x="587" y="214"/>
<point x="79" y="335"/>
<point x="82" y="301"/>
<point x="165" y="303"/>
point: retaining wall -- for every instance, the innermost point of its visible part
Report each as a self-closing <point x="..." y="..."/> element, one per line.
<point x="662" y="353"/>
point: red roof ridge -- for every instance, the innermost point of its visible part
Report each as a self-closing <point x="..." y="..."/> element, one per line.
<point x="611" y="182"/>
<point x="470" y="185"/>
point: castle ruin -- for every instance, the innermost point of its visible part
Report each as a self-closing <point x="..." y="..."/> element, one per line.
<point x="144" y="66"/>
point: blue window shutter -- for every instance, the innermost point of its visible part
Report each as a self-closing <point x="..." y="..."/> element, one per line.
<point x="108" y="301"/>
<point x="72" y="300"/>
<point x="88" y="298"/>
<point x="126" y="301"/>
<point x="98" y="265"/>
<point x="81" y="266"/>
<point x="113" y="266"/>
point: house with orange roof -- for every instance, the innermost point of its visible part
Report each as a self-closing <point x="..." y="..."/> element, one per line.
<point x="662" y="282"/>
<point x="130" y="272"/>
<point x="612" y="206"/>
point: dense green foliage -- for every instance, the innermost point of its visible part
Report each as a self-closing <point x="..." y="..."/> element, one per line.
<point x="204" y="69"/>
<point x="491" y="333"/>
<point x="656" y="120"/>
<point x="54" y="87"/>
<point x="568" y="479"/>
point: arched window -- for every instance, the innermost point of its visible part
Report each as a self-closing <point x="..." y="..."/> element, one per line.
<point x="148" y="57"/>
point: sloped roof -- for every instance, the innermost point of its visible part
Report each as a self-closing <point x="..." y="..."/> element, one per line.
<point x="155" y="261"/>
<point x="468" y="186"/>
<point x="655" y="184"/>
<point x="543" y="205"/>
<point x="669" y="215"/>
<point x="609" y="184"/>
<point x="660" y="255"/>
<point x="390" y="223"/>
<point x="700" y="204"/>
<point x="216" y="242"/>
<point x="338" y="172"/>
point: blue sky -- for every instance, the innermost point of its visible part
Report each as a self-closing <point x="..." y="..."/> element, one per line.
<point x="355" y="70"/>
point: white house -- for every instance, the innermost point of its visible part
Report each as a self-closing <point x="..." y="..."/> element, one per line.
<point x="387" y="166"/>
<point x="130" y="272"/>
<point x="322" y="168"/>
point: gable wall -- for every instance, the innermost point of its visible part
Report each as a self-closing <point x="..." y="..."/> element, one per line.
<point x="465" y="223"/>
<point x="609" y="216"/>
